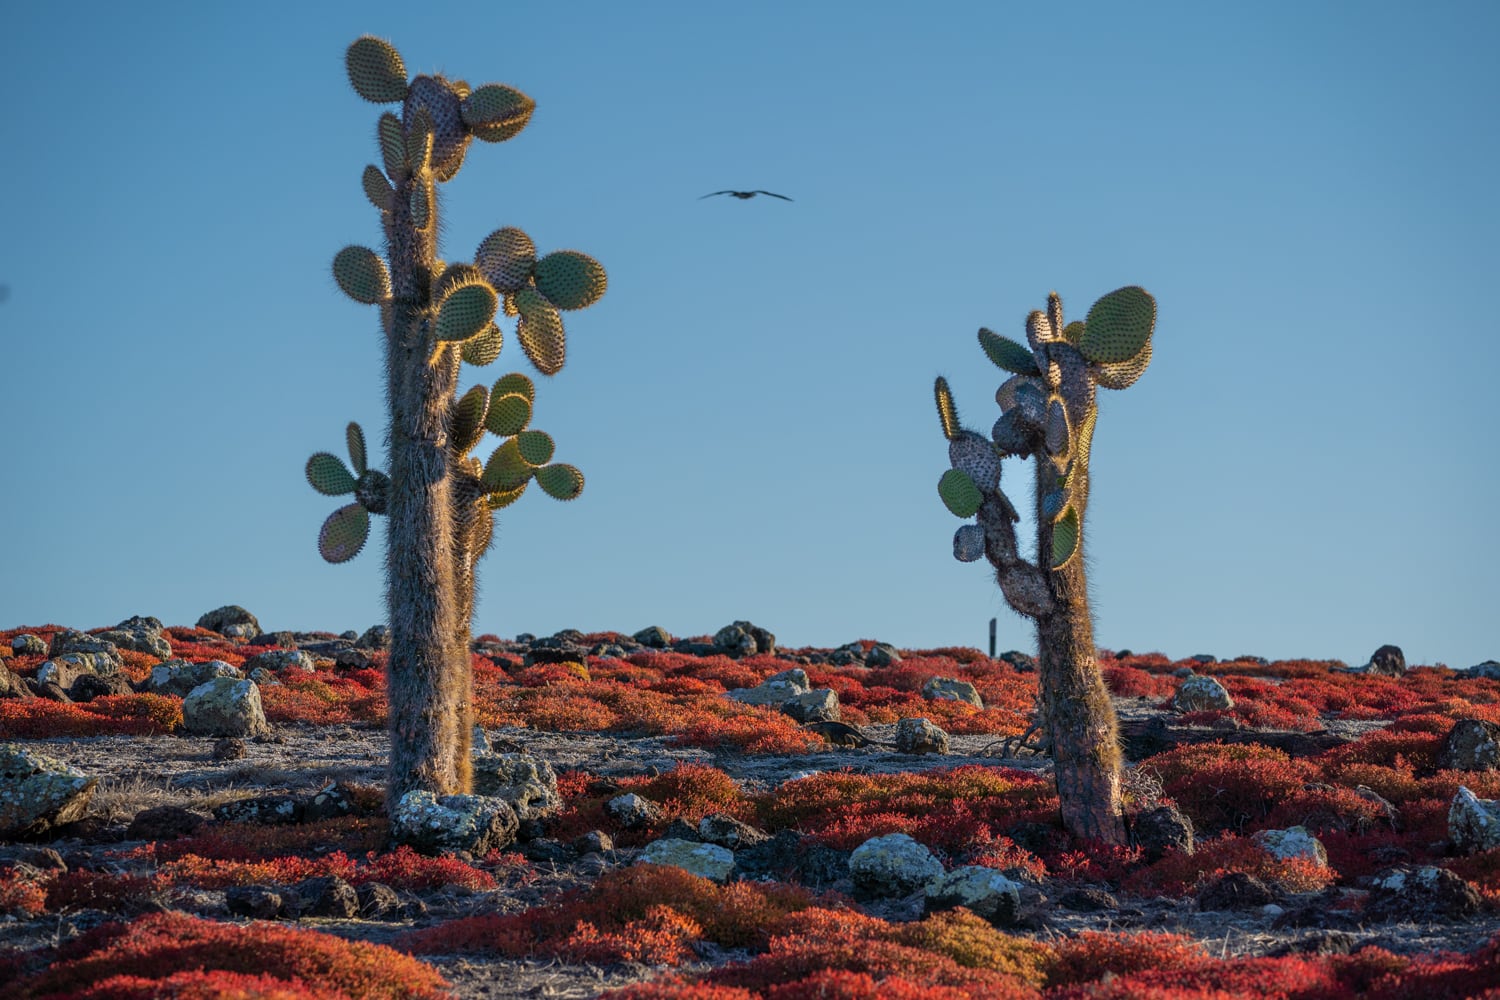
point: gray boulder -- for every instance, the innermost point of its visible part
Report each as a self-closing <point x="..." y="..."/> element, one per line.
<point x="882" y="654"/>
<point x="1387" y="661"/>
<point x="631" y="810"/>
<point x="1159" y="830"/>
<point x="65" y="670"/>
<point x="893" y="865"/>
<point x="775" y="690"/>
<point x="821" y="705"/>
<point x="985" y="891"/>
<point x="433" y="824"/>
<point x="1421" y="895"/>
<point x="920" y="736"/>
<point x="1293" y="842"/>
<point x="653" y="636"/>
<point x="27" y="644"/>
<point x="141" y="635"/>
<point x="952" y="689"/>
<point x="38" y="793"/>
<point x="1473" y="823"/>
<point x="280" y="659"/>
<point x="180" y="677"/>
<point x="528" y="783"/>
<point x="1471" y="745"/>
<point x="742" y="638"/>
<point x="105" y="655"/>
<point x="231" y="620"/>
<point x="708" y="861"/>
<point x="375" y="637"/>
<point x="1201" y="694"/>
<point x="12" y="685"/>
<point x="224" y="706"/>
<point x="726" y="831"/>
<point x="1489" y="669"/>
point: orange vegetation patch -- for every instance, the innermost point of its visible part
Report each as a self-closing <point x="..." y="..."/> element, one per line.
<point x="116" y="715"/>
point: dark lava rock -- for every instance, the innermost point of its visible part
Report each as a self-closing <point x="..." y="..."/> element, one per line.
<point x="12" y="684"/>
<point x="789" y="854"/>
<point x="531" y="828"/>
<point x="1021" y="662"/>
<point x="164" y="823"/>
<point x="230" y="614"/>
<point x="256" y="901"/>
<point x="327" y="803"/>
<point x="51" y="690"/>
<point x="1087" y="900"/>
<point x="378" y="901"/>
<point x="229" y="748"/>
<point x="653" y="636"/>
<point x="1038" y="838"/>
<point x="1387" y="661"/>
<point x="593" y="842"/>
<point x="726" y="831"/>
<point x="1235" y="891"/>
<point x="680" y="829"/>
<point x="90" y="686"/>
<point x="545" y="849"/>
<point x="1421" y="894"/>
<point x="328" y="896"/>
<point x="352" y="659"/>
<point x="267" y="809"/>
<point x="1320" y="943"/>
<point x="282" y="640"/>
<point x="555" y="650"/>
<point x="330" y="648"/>
<point x="1471" y="745"/>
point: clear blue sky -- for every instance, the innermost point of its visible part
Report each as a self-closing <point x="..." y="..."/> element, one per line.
<point x="1309" y="189"/>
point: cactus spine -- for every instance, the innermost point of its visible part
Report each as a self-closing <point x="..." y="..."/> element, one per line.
<point x="436" y="316"/>
<point x="1048" y="413"/>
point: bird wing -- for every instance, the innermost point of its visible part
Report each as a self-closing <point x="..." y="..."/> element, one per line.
<point x="773" y="194"/>
<point x="712" y="193"/>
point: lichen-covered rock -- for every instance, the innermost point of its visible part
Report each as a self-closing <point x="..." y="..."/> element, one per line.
<point x="328" y="802"/>
<point x="882" y="654"/>
<point x="268" y="810"/>
<point x="775" y="690"/>
<point x="528" y="783"/>
<point x="1473" y="823"/>
<point x="708" y="861"/>
<point x="281" y="659"/>
<point x="374" y="637"/>
<point x="64" y="670"/>
<point x="1293" y="842"/>
<point x="224" y="706"/>
<point x="952" y="689"/>
<point x="631" y="810"/>
<point x="1471" y="745"/>
<point x="264" y="678"/>
<point x="26" y="644"/>
<point x="231" y="620"/>
<point x="1387" y="661"/>
<point x="38" y="793"/>
<point x="985" y="891"/>
<point x="821" y="705"/>
<point x="1159" y="830"/>
<point x="1489" y="669"/>
<point x="434" y="824"/>
<point x="555" y="649"/>
<point x="653" y="636"/>
<point x="12" y="685"/>
<point x="726" y="831"/>
<point x="1421" y="895"/>
<point x="106" y="655"/>
<point x="732" y="640"/>
<point x="920" y="735"/>
<point x="180" y="677"/>
<point x="141" y="635"/>
<point x="892" y="865"/>
<point x="1201" y="694"/>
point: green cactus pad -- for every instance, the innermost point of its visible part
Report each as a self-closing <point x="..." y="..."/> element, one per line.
<point x="959" y="493"/>
<point x="509" y="414"/>
<point x="506" y="470"/>
<point x="421" y="203"/>
<point x="328" y="475"/>
<point x="344" y="533"/>
<point x="1055" y="501"/>
<point x="376" y="71"/>
<point x="495" y="112"/>
<point x="1073" y="332"/>
<point x="535" y="446"/>
<point x="466" y="311"/>
<point x="1065" y="538"/>
<point x="1123" y="374"/>
<point x="373" y="491"/>
<point x="506" y="257"/>
<point x="947" y="412"/>
<point x="1119" y="325"/>
<point x="1056" y="433"/>
<point x="362" y="275"/>
<point x="975" y="456"/>
<point x="354" y="437"/>
<point x="560" y="482"/>
<point x="418" y="142"/>
<point x="1006" y="353"/>
<point x="484" y="348"/>
<point x="968" y="543"/>
<point x="504" y="498"/>
<point x="569" y="279"/>
<point x="466" y="422"/>
<point x="377" y="188"/>
<point x="540" y="331"/>
<point x="392" y="146"/>
<point x="516" y="383"/>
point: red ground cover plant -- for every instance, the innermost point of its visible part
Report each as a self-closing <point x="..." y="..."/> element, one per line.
<point x="111" y="715"/>
<point x="688" y="791"/>
<point x="158" y="946"/>
<point x="21" y="895"/>
<point x="199" y="985"/>
<point x="1180" y="874"/>
<point x="1227" y="787"/>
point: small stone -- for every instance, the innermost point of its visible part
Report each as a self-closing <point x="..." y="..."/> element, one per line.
<point x="1087" y="900"/>
<point x="1235" y="891"/>
<point x="920" y="735"/>
<point x="985" y="891"/>
<point x="378" y="901"/>
<point x="1473" y="823"/>
<point x="952" y="689"/>
<point x="892" y="865"/>
<point x="328" y="896"/>
<point x="229" y="748"/>
<point x="255" y="901"/>
<point x="821" y="705"/>
<point x="1201" y="694"/>
<point x="708" y="861"/>
<point x="545" y="850"/>
<point x="593" y="842"/>
<point x="1387" y="661"/>
<point x="1471" y="745"/>
<point x="653" y="636"/>
<point x="726" y="831"/>
<point x="328" y="802"/>
<point x="1161" y="829"/>
<point x="164" y="823"/>
<point x="224" y="707"/>
<point x="1293" y="842"/>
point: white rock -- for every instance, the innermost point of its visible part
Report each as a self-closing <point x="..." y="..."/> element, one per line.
<point x="893" y="865"/>
<point x="708" y="861"/>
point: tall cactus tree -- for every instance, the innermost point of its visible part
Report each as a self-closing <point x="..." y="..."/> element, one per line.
<point x="435" y="316"/>
<point x="1048" y="410"/>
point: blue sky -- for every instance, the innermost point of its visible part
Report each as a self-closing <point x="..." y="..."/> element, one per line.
<point x="1308" y="468"/>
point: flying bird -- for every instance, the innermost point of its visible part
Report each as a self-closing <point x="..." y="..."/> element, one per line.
<point x="743" y="195"/>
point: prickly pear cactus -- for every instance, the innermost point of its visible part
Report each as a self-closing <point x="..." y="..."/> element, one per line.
<point x="436" y="316"/>
<point x="1048" y="410"/>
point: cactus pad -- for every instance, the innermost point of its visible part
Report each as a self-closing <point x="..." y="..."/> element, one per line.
<point x="1012" y="436"/>
<point x="376" y="71"/>
<point x="509" y="414"/>
<point x="466" y="422"/>
<point x="418" y="142"/>
<point x="421" y="203"/>
<point x="1056" y="433"/>
<point x="959" y="493"/>
<point x="507" y="257"/>
<point x="377" y="188"/>
<point x="392" y="145"/>
<point x="495" y="112"/>
<point x="1065" y="538"/>
<point x="517" y="383"/>
<point x="1123" y="374"/>
<point x="450" y="136"/>
<point x="947" y="412"/>
<point x="484" y="348"/>
<point x="362" y="275"/>
<point x="504" y="498"/>
<point x="1119" y="325"/>
<point x="1073" y="332"/>
<point x="354" y="437"/>
<point x="569" y="279"/>
<point x="535" y="447"/>
<point x="560" y="482"/>
<point x="373" y="491"/>
<point x="1055" y="315"/>
<point x="1007" y="354"/>
<point x="975" y="456"/>
<point x="465" y="312"/>
<point x="540" y="331"/>
<point x="344" y="533"/>
<point x="1055" y="501"/>
<point x="1039" y="329"/>
<point x="328" y="475"/>
<point x="506" y="470"/>
<point x="968" y="543"/>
